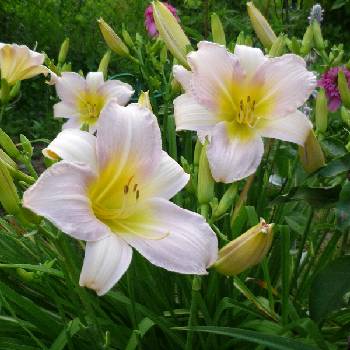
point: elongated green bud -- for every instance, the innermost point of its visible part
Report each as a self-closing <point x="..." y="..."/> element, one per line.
<point x="308" y="41"/>
<point x="245" y="251"/>
<point x="127" y="38"/>
<point x="321" y="111"/>
<point x="345" y="115"/>
<point x="226" y="200"/>
<point x="62" y="55"/>
<point x="240" y="39"/>
<point x="26" y="145"/>
<point x="171" y="32"/>
<point x="261" y="26"/>
<point x="217" y="30"/>
<point x="295" y="45"/>
<point x="144" y="100"/>
<point x="343" y="89"/>
<point x="311" y="155"/>
<point x="104" y="63"/>
<point x="317" y="34"/>
<point x="112" y="39"/>
<point x="277" y="48"/>
<point x="8" y="145"/>
<point x="7" y="160"/>
<point x="205" y="190"/>
<point x="8" y="194"/>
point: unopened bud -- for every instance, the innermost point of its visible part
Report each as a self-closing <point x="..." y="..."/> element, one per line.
<point x="103" y="66"/>
<point x="226" y="201"/>
<point x="15" y="90"/>
<point x="345" y="115"/>
<point x="295" y="45"/>
<point x="62" y="55"/>
<point x="343" y="89"/>
<point x="7" y="144"/>
<point x="246" y="250"/>
<point x="112" y="39"/>
<point x="127" y="38"/>
<point x="217" y="30"/>
<point x="171" y="32"/>
<point x="8" y="194"/>
<point x="67" y="67"/>
<point x="144" y="100"/>
<point x="26" y="145"/>
<point x="277" y="48"/>
<point x="240" y="39"/>
<point x="317" y="34"/>
<point x="311" y="155"/>
<point x="308" y="41"/>
<point x="321" y="111"/>
<point x="261" y="26"/>
<point x="205" y="190"/>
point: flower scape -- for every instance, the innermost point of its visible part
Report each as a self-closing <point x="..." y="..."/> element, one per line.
<point x="191" y="191"/>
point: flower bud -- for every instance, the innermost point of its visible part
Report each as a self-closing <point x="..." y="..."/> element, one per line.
<point x="112" y="39"/>
<point x="8" y="194"/>
<point x="62" y="55"/>
<point x="278" y="46"/>
<point x="321" y="111"/>
<point x="66" y="67"/>
<point x="345" y="115"/>
<point x="261" y="26"/>
<point x="343" y="89"/>
<point x="226" y="201"/>
<point x="240" y="39"/>
<point x="308" y="41"/>
<point x="171" y="32"/>
<point x="15" y="90"/>
<point x="217" y="30"/>
<point x="205" y="189"/>
<point x="26" y="145"/>
<point x="127" y="38"/>
<point x="103" y="66"/>
<point x="8" y="161"/>
<point x="295" y="46"/>
<point x="317" y="34"/>
<point x="246" y="250"/>
<point x="144" y="100"/>
<point x="7" y="144"/>
<point x="311" y="155"/>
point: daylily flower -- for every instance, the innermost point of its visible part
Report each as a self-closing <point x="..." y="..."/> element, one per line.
<point x="82" y="100"/>
<point x="236" y="99"/>
<point x="18" y="62"/>
<point x="113" y="191"/>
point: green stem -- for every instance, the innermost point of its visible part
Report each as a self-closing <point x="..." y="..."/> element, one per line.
<point x="285" y="257"/>
<point x="267" y="278"/>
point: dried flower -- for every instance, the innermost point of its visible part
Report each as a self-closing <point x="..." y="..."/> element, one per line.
<point x="316" y="13"/>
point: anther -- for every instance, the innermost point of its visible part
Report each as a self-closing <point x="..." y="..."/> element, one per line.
<point x="248" y="99"/>
<point x="137" y="194"/>
<point x="241" y="105"/>
<point x="126" y="189"/>
<point x="135" y="188"/>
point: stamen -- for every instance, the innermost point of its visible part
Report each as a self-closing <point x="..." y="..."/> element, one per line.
<point x="126" y="189"/>
<point x="137" y="194"/>
<point x="135" y="188"/>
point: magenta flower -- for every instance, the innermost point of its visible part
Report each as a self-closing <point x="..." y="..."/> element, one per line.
<point x="149" y="20"/>
<point x="329" y="81"/>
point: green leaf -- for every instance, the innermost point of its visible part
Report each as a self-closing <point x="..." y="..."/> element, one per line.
<point x="343" y="207"/>
<point x="336" y="167"/>
<point x="144" y="326"/>
<point x="272" y="341"/>
<point x="329" y="287"/>
<point x="72" y="328"/>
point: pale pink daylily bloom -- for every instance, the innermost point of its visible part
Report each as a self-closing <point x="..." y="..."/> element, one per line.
<point x="112" y="190"/>
<point x="233" y="100"/>
<point x="82" y="100"/>
<point x="18" y="62"/>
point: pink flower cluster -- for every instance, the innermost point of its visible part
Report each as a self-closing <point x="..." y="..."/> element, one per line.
<point x="329" y="81"/>
<point x="149" y="20"/>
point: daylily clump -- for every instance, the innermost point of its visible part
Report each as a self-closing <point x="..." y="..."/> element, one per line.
<point x="82" y="100"/>
<point x="112" y="190"/>
<point x="329" y="81"/>
<point x="233" y="100"/>
<point x="18" y="62"/>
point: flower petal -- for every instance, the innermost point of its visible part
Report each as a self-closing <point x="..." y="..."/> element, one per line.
<point x="65" y="110"/>
<point x="116" y="89"/>
<point x="168" y="180"/>
<point x="73" y="123"/>
<point x="213" y="69"/>
<point x="190" y="115"/>
<point x="60" y="195"/>
<point x="69" y="86"/>
<point x="130" y="137"/>
<point x="183" y="76"/>
<point x="189" y="245"/>
<point x="105" y="262"/>
<point x="73" y="145"/>
<point x="94" y="80"/>
<point x="288" y="83"/>
<point x="250" y="58"/>
<point x="294" y="128"/>
<point x="233" y="158"/>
